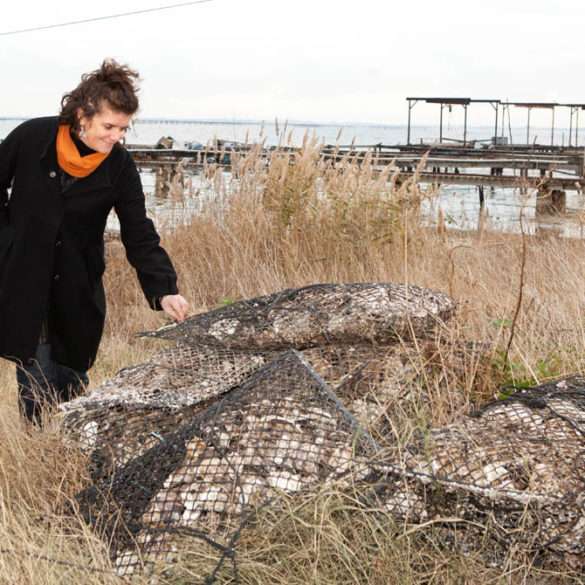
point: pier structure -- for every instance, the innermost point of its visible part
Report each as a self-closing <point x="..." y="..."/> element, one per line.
<point x="444" y="102"/>
<point x="529" y="106"/>
<point x="574" y="124"/>
<point x="498" y="167"/>
<point x="499" y="136"/>
<point x="495" y="161"/>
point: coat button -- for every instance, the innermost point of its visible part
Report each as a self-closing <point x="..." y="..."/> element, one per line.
<point x="52" y="174"/>
<point x="58" y="243"/>
<point x="56" y="277"/>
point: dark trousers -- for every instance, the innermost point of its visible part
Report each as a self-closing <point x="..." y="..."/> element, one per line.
<point x="44" y="383"/>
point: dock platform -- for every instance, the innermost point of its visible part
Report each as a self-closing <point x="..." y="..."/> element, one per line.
<point x="529" y="167"/>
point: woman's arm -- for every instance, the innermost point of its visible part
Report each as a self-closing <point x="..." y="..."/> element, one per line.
<point x="153" y="266"/>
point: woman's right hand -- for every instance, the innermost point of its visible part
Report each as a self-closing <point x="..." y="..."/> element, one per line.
<point x="175" y="306"/>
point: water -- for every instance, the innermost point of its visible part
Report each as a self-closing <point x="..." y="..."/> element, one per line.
<point x="459" y="204"/>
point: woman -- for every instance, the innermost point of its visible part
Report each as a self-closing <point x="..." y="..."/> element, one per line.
<point x="66" y="173"/>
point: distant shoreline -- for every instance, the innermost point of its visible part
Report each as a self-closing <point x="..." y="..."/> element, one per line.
<point x="236" y="122"/>
<point x="282" y="123"/>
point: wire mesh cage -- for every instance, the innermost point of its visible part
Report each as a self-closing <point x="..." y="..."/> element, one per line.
<point x="320" y="314"/>
<point x="344" y="331"/>
<point x="516" y="467"/>
<point x="193" y="441"/>
<point x="206" y="430"/>
<point x="283" y="430"/>
<point x="128" y="414"/>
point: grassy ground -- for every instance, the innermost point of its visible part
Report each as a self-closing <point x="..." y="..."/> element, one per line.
<point x="290" y="226"/>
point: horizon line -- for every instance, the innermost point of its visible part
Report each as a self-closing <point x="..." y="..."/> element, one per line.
<point x="283" y="124"/>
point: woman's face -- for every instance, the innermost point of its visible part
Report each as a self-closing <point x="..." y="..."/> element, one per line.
<point x="104" y="129"/>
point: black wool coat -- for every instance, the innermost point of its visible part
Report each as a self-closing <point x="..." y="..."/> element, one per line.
<point x="52" y="246"/>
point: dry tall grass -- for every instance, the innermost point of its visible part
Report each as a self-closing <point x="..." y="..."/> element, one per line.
<point x="280" y="225"/>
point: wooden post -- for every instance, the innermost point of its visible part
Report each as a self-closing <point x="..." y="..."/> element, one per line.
<point x="552" y="132"/>
<point x="164" y="175"/>
<point x="177" y="181"/>
<point x="510" y="127"/>
<point x="496" y="132"/>
<point x="408" y="133"/>
<point x="559" y="200"/>
<point x="550" y="201"/>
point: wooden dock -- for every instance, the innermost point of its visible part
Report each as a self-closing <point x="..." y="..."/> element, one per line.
<point x="544" y="168"/>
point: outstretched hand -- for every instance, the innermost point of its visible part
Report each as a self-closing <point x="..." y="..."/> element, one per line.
<point x="175" y="306"/>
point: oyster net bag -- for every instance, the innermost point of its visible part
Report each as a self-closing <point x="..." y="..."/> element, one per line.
<point x="127" y="415"/>
<point x="343" y="329"/>
<point x="516" y="468"/>
<point x="320" y="314"/>
<point x="283" y="430"/>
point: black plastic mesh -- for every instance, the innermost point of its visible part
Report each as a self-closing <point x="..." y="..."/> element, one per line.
<point x="128" y="414"/>
<point x="322" y="314"/>
<point x="341" y="329"/>
<point x="191" y="441"/>
<point x="516" y="467"/>
<point x="282" y="430"/>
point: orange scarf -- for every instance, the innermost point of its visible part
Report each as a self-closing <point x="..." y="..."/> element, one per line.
<point x="69" y="158"/>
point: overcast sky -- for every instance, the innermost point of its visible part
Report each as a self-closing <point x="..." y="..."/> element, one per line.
<point x="321" y="60"/>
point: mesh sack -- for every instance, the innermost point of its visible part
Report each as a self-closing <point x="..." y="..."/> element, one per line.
<point x="516" y="467"/>
<point x="126" y="415"/>
<point x="283" y="430"/>
<point x="321" y="314"/>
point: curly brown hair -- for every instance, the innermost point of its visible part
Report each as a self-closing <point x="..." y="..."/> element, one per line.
<point x="112" y="83"/>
